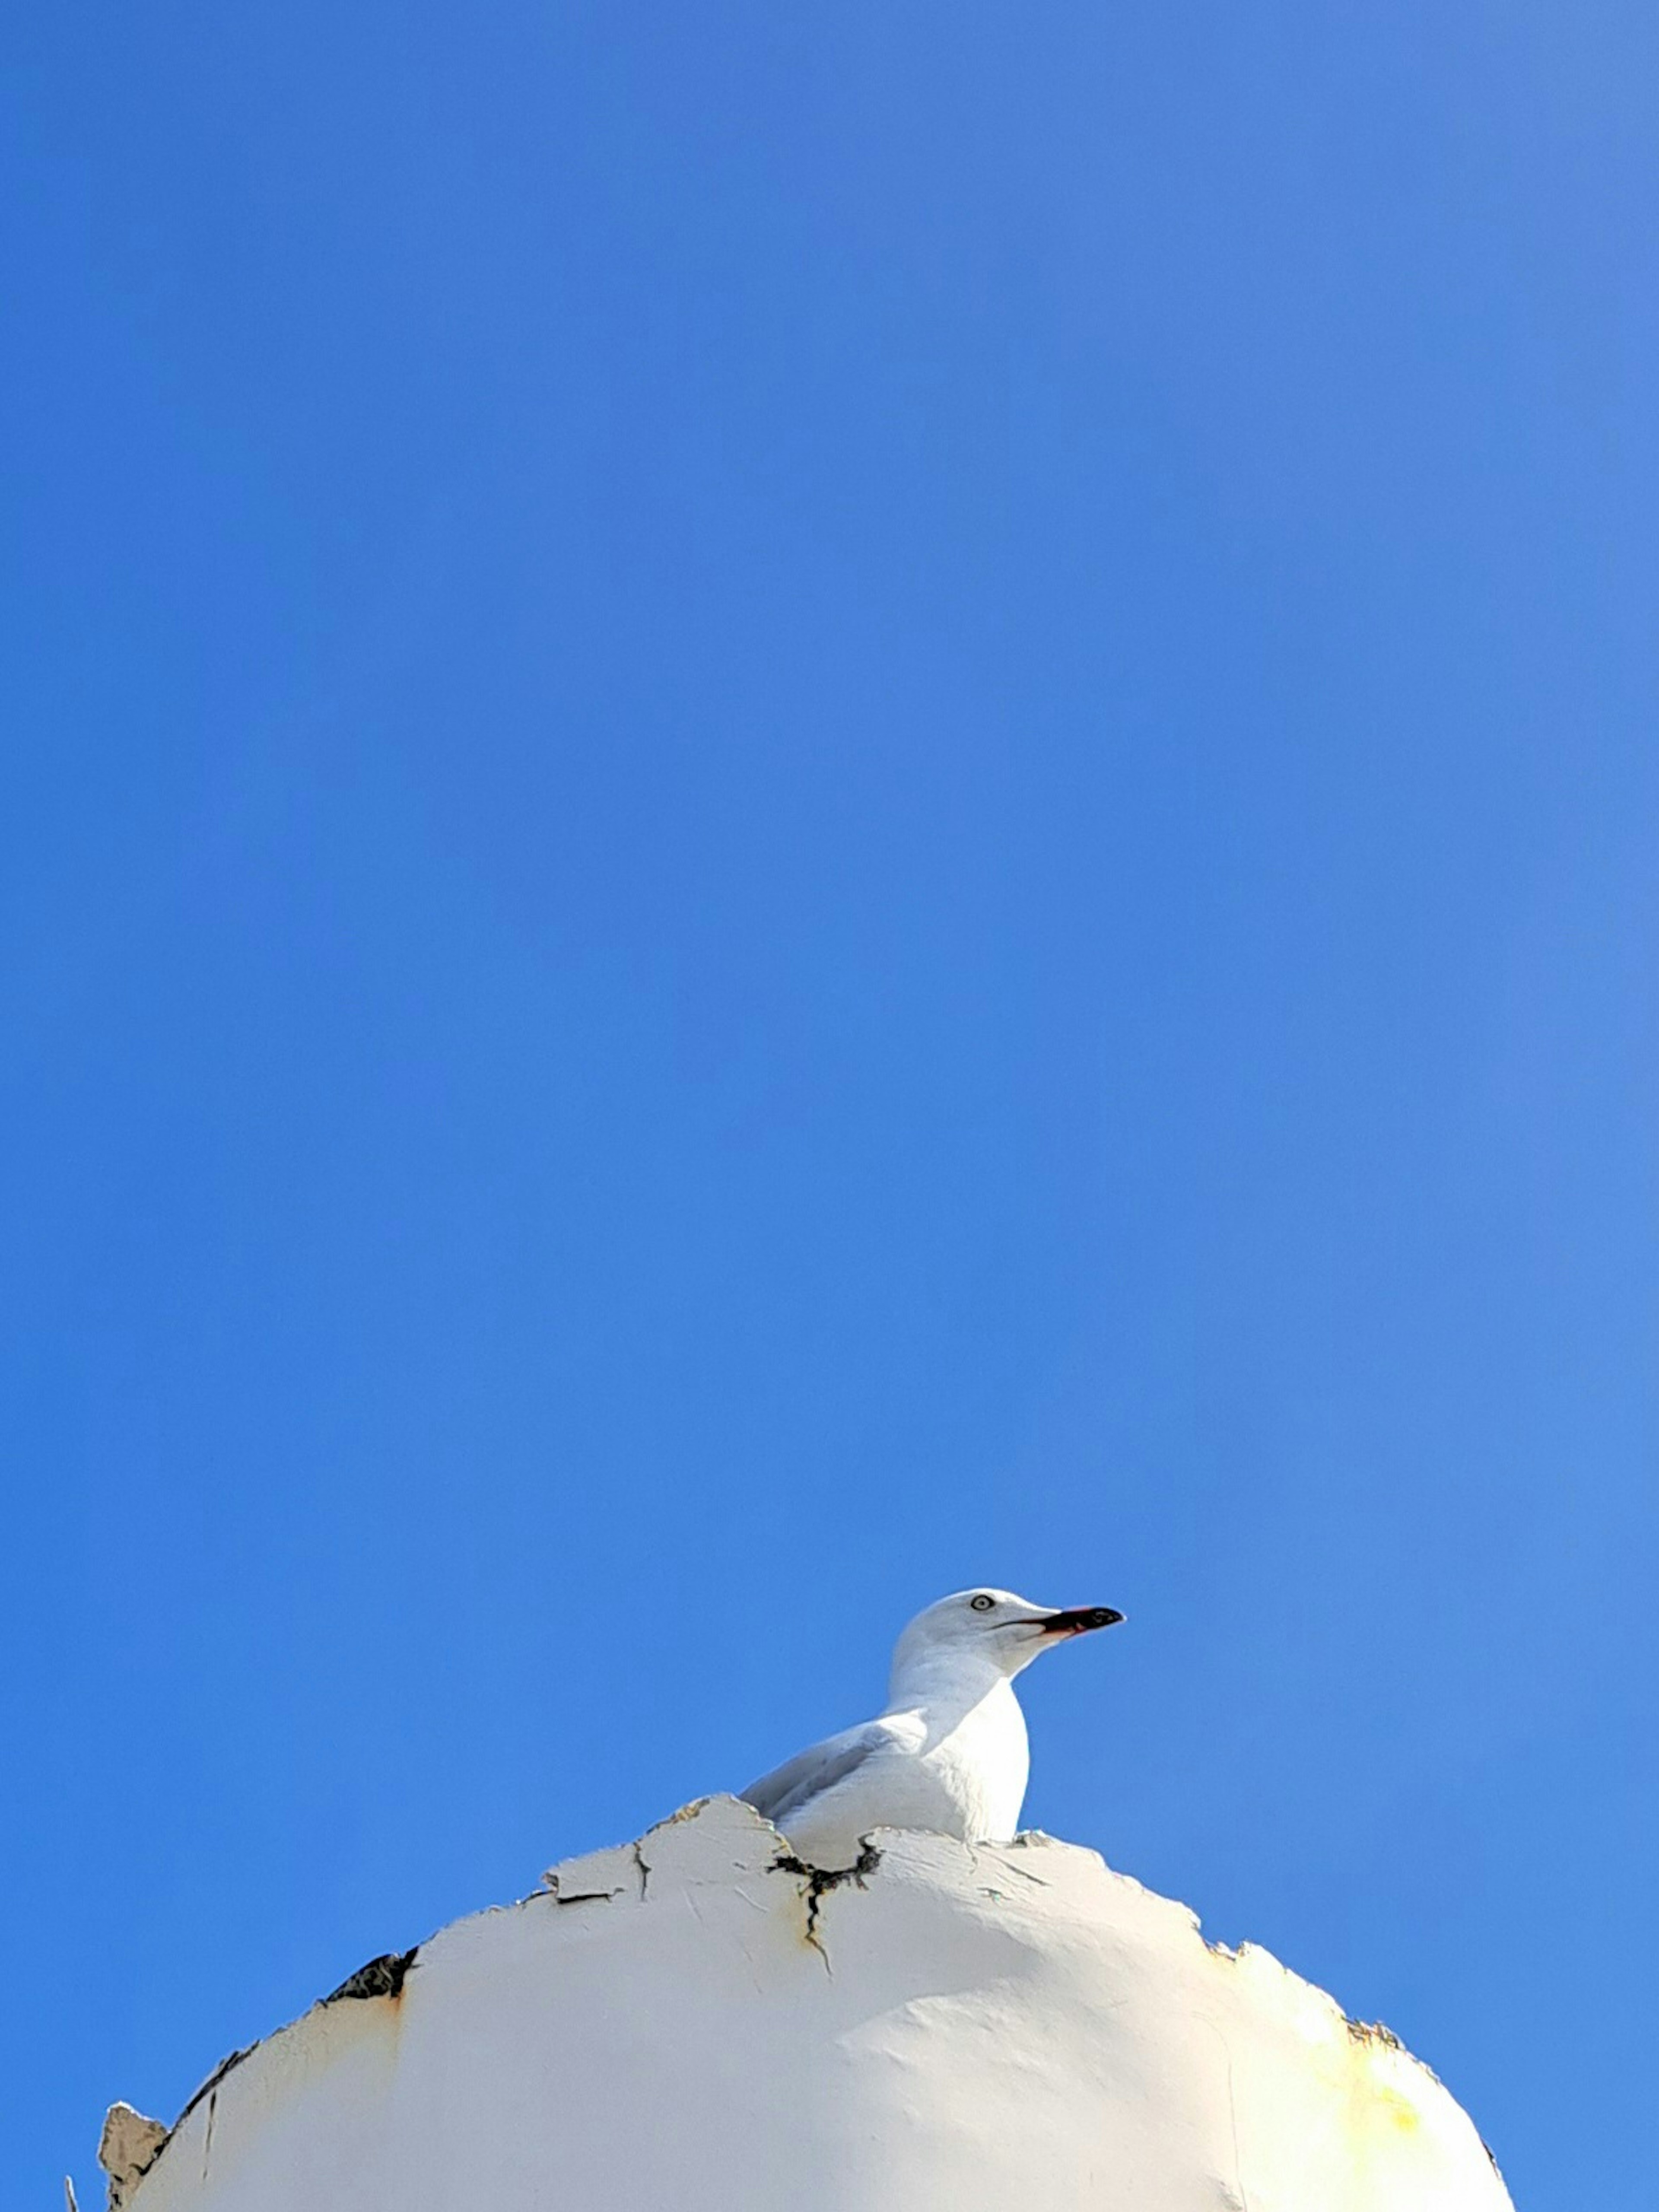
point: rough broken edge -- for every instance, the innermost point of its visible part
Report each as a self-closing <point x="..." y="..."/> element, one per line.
<point x="624" y="1869"/>
<point x="383" y="1977"/>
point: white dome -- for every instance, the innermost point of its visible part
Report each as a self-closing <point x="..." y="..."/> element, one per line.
<point x="693" y="2021"/>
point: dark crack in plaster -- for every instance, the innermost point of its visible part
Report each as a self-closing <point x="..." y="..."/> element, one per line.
<point x="820" y="1881"/>
<point x="1373" y="2031"/>
<point x="561" y="1895"/>
<point x="381" y="1978"/>
<point x="224" y="2067"/>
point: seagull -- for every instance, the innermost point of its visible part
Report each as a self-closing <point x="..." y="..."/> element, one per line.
<point x="948" y="1752"/>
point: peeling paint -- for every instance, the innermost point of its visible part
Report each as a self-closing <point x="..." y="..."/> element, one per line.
<point x="381" y="1977"/>
<point x="598" y="1876"/>
<point x="1001" y="2023"/>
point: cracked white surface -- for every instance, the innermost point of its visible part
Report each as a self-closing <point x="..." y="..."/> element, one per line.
<point x="685" y="2023"/>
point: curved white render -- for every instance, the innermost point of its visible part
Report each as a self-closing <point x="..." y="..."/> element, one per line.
<point x="694" y="2021"/>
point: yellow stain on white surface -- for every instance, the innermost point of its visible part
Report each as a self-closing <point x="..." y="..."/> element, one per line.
<point x="966" y="2024"/>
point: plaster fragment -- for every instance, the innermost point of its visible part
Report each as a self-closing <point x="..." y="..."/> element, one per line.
<point x="128" y="2148"/>
<point x="617" y="1872"/>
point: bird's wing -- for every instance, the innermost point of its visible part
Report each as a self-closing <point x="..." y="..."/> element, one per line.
<point x="811" y="1772"/>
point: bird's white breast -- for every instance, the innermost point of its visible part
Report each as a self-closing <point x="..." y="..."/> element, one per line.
<point x="962" y="1773"/>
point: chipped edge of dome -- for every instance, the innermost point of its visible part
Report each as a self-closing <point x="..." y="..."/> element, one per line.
<point x="623" y="1871"/>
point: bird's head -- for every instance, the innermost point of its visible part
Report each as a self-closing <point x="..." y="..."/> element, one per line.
<point x="991" y="1628"/>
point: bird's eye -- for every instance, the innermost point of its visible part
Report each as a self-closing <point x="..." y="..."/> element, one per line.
<point x="982" y="1603"/>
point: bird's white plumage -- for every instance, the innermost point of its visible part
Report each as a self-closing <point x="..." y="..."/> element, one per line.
<point x="949" y="1752"/>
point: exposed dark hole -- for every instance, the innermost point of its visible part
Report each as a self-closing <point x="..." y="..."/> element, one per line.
<point x="381" y="1977"/>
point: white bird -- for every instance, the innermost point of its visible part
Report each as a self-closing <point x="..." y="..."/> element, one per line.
<point x="948" y="1752"/>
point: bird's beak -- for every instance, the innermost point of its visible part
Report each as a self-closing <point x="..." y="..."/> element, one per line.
<point x="1079" y="1619"/>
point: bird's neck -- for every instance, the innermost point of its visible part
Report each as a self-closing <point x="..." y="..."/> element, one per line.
<point x="949" y="1688"/>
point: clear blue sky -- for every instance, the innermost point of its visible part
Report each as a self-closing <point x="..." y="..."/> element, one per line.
<point x="804" y="805"/>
